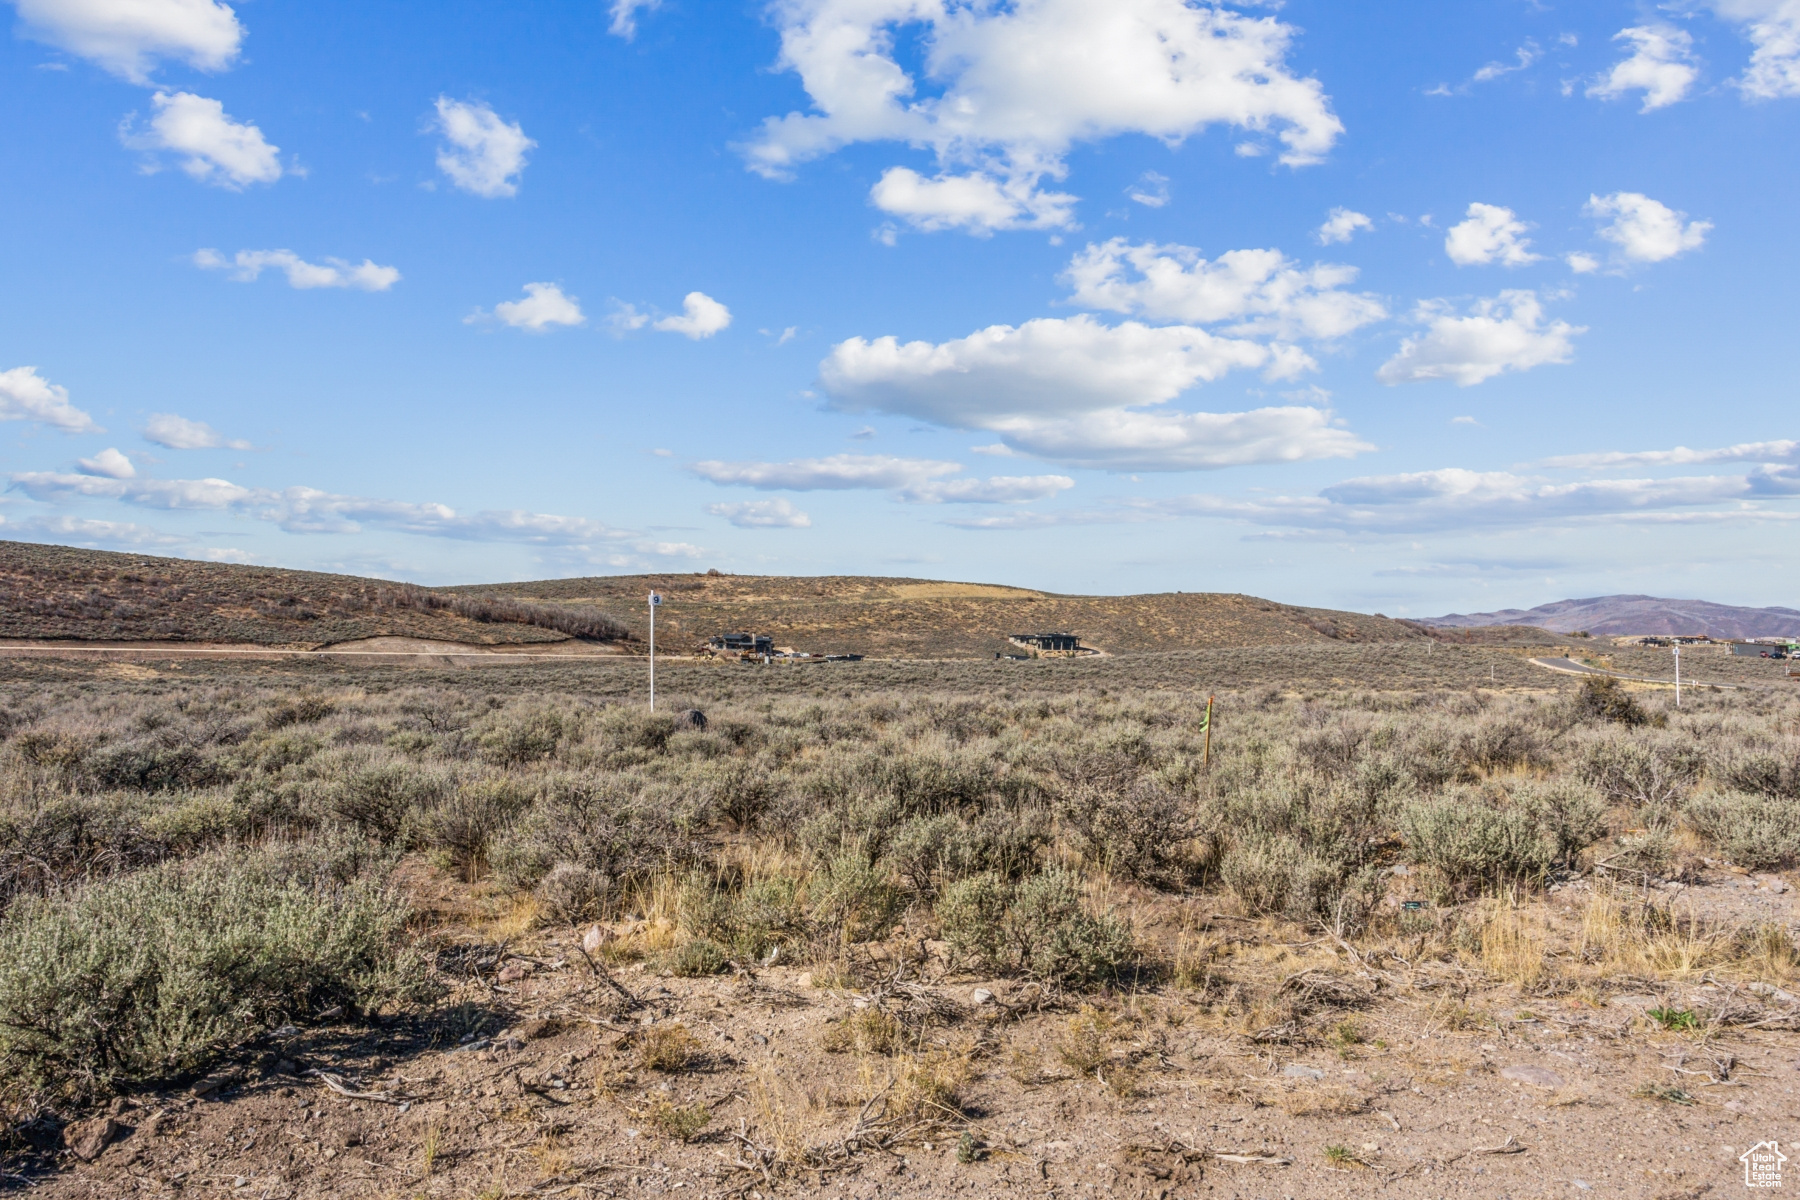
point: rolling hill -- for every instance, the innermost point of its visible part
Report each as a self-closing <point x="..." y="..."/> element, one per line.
<point x="1624" y="615"/>
<point x="65" y="594"/>
<point x="918" y="618"/>
<point x="60" y="593"/>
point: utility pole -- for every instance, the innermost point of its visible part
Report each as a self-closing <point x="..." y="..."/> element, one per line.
<point x="655" y="602"/>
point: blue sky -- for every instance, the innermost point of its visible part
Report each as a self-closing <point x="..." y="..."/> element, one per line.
<point x="1407" y="307"/>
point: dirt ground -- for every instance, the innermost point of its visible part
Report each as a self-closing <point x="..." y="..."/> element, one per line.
<point x="1281" y="1063"/>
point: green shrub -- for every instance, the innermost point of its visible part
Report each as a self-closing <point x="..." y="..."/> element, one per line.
<point x="1058" y="939"/>
<point x="150" y="765"/>
<point x="465" y="824"/>
<point x="303" y="709"/>
<point x="378" y="798"/>
<point x="593" y="820"/>
<point x="1568" y="812"/>
<point x="1039" y="927"/>
<point x="1769" y="770"/>
<point x="851" y="901"/>
<point x="1651" y="775"/>
<point x="516" y="738"/>
<point x="153" y="974"/>
<point x="1141" y="832"/>
<point x="571" y="894"/>
<point x="1467" y="846"/>
<point x="698" y="956"/>
<point x="1602" y="699"/>
<point x="1757" y="832"/>
<point x="190" y="824"/>
<point x="929" y="852"/>
<point x="971" y="915"/>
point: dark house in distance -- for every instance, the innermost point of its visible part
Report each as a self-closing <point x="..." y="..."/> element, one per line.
<point x="1048" y="643"/>
<point x="742" y="643"/>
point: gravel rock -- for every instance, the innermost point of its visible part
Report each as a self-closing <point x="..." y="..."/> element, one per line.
<point x="1537" y="1077"/>
<point x="87" y="1139"/>
<point x="981" y="996"/>
<point x="1302" y="1071"/>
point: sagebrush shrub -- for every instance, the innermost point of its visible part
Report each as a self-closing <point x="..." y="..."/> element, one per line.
<point x="1468" y="846"/>
<point x="851" y="901"/>
<point x="1758" y="832"/>
<point x="153" y="974"/>
<point x="570" y="894"/>
<point x="697" y="957"/>
<point x="1642" y="770"/>
<point x="1039" y="927"/>
<point x="1769" y="769"/>
<point x="513" y="739"/>
<point x="1602" y="698"/>
<point x="1141" y="832"/>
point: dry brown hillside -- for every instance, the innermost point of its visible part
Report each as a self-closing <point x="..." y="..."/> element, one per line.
<point x="918" y="618"/>
<point x="58" y="592"/>
<point x="93" y="595"/>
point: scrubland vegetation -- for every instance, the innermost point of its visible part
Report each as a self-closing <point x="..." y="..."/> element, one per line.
<point x="183" y="867"/>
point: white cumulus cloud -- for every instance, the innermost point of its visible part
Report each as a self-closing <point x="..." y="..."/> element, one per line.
<point x="1261" y="291"/>
<point x="995" y="489"/>
<point x="1643" y="229"/>
<point x="1459" y="499"/>
<point x="1080" y="392"/>
<point x="701" y="317"/>
<point x="1660" y="65"/>
<point x="918" y="480"/>
<point x="246" y="265"/>
<point x="1773" y="27"/>
<point x="1015" y="87"/>
<point x="1489" y="234"/>
<point x="625" y="15"/>
<point x="127" y="37"/>
<point x="838" y="472"/>
<point x="212" y="147"/>
<point x="761" y="514"/>
<point x="109" y="463"/>
<point x="1785" y="450"/>
<point x="1505" y="333"/>
<point x="483" y="153"/>
<point x="309" y="510"/>
<point x="1342" y="224"/>
<point x="545" y="305"/>
<point x="975" y="202"/>
<point x="1151" y="190"/>
<point x="27" y="396"/>
<point x="179" y="433"/>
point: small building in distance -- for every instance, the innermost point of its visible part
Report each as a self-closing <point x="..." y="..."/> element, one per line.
<point x="741" y="643"/>
<point x="1767" y="648"/>
<point x="1046" y="644"/>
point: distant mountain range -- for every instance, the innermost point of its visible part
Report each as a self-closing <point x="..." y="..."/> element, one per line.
<point x="1621" y="615"/>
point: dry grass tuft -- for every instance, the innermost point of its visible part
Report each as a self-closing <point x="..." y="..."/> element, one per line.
<point x="678" y="1122"/>
<point x="668" y="1048"/>
<point x="1086" y="1042"/>
<point x="865" y="1031"/>
<point x="1513" y="946"/>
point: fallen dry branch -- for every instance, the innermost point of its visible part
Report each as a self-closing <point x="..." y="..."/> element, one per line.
<point x="336" y="1083"/>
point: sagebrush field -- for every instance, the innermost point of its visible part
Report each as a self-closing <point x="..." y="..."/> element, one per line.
<point x="895" y="930"/>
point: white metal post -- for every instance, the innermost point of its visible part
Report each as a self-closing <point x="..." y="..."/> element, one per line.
<point x="654" y="601"/>
<point x="1677" y="646"/>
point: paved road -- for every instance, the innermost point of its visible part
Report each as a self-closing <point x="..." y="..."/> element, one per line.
<point x="1569" y="666"/>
